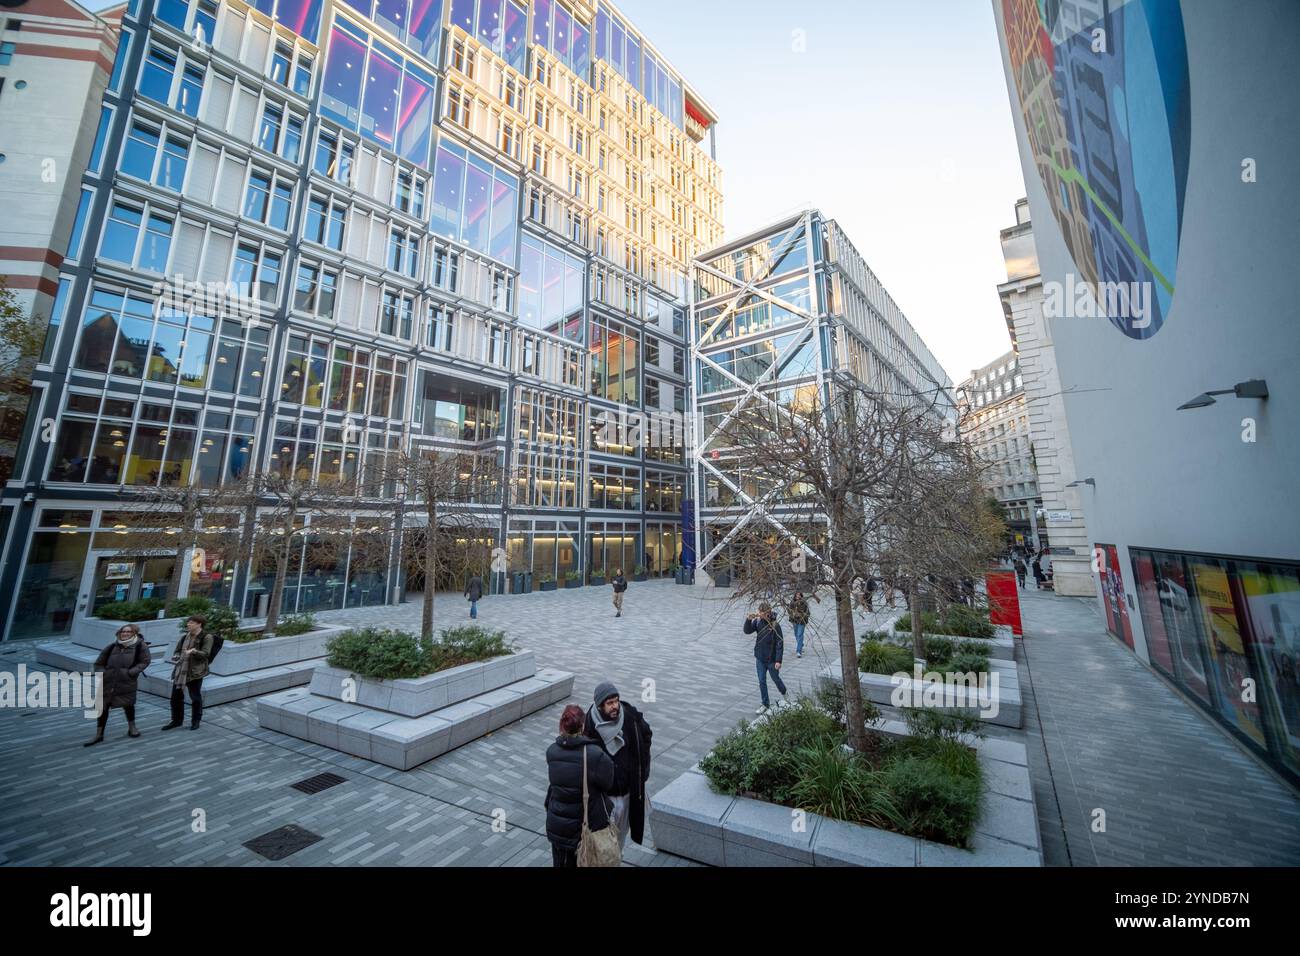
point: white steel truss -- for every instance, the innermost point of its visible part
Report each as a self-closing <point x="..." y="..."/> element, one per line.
<point x="810" y="323"/>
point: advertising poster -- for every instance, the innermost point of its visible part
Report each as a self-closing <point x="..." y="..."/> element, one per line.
<point x="1112" y="590"/>
<point x="1226" y="646"/>
<point x="1148" y="597"/>
<point x="1272" y="598"/>
<point x="1180" y="625"/>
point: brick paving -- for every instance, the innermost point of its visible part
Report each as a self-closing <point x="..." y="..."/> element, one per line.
<point x="1175" y="790"/>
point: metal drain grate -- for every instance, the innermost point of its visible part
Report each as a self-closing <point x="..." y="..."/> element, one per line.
<point x="286" y="841"/>
<point x="322" y="781"/>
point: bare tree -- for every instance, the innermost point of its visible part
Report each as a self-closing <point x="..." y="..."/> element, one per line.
<point x="21" y="338"/>
<point x="449" y="489"/>
<point x="829" y="488"/>
<point x="180" y="518"/>
<point x="287" y="509"/>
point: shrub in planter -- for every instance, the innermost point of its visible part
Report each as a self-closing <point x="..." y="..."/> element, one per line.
<point x="295" y="624"/>
<point x="880" y="657"/>
<point x="928" y="785"/>
<point x="547" y="582"/>
<point x="958" y="620"/>
<point x="573" y="579"/>
<point x="638" y="573"/>
<point x="597" y="576"/>
<point x="144" y="609"/>
<point x="220" y="619"/>
<point x="392" y="655"/>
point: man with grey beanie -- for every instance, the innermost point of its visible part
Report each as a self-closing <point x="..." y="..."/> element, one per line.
<point x="624" y="734"/>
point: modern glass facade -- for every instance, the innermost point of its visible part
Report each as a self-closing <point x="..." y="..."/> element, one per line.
<point x="316" y="232"/>
<point x="784" y="312"/>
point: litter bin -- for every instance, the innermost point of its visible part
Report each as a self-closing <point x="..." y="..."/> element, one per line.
<point x="263" y="605"/>
<point x="528" y="582"/>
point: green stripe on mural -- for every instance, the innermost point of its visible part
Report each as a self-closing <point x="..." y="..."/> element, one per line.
<point x="1074" y="176"/>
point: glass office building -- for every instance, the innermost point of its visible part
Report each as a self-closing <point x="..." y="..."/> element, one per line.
<point x="315" y="232"/>
<point x="786" y="312"/>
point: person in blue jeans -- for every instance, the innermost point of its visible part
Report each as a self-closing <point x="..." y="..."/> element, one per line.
<point x="769" y="646"/>
<point x="799" y="614"/>
<point x="474" y="594"/>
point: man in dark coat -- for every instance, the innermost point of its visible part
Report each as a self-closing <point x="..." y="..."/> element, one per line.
<point x="623" y="734"/>
<point x="1021" y="570"/>
<point x="122" y="662"/>
<point x="564" y="761"/>
<point x="474" y="594"/>
<point x="769" y="648"/>
<point x="620" y="585"/>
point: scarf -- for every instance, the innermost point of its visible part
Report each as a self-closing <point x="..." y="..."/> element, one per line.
<point x="611" y="731"/>
<point x="181" y="672"/>
<point x="130" y="643"/>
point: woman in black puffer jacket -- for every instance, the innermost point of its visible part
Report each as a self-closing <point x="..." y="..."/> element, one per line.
<point x="564" y="796"/>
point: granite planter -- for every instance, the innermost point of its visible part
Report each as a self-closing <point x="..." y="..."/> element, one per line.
<point x="688" y="819"/>
<point x="597" y="582"/>
<point x="547" y="586"/>
<point x="572" y="583"/>
<point x="404" y="723"/>
<point x="1000" y="646"/>
<point x="417" y="696"/>
<point x="97" y="632"/>
<point x="1004" y="703"/>
<point x="273" y="651"/>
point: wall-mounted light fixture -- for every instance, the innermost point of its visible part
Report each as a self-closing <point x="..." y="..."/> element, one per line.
<point x="1083" y="481"/>
<point x="1255" y="388"/>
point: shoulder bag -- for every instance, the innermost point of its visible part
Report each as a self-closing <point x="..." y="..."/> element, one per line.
<point x="599" y="847"/>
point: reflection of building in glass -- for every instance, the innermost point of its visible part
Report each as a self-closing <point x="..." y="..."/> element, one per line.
<point x="382" y="225"/>
<point x="782" y="312"/>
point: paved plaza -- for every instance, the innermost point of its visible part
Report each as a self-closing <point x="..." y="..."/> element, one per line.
<point x="1102" y="731"/>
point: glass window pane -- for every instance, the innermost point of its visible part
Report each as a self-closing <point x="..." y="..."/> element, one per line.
<point x="415" y="128"/>
<point x="449" y="181"/>
<point x="341" y="87"/>
<point x="379" y="112"/>
<point x="478" y="185"/>
<point x="505" y="202"/>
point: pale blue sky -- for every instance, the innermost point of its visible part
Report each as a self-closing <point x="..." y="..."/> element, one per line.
<point x="894" y="120"/>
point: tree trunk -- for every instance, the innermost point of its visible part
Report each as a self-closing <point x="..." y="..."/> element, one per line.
<point x="918" y="639"/>
<point x="281" y="572"/>
<point x="854" y="719"/>
<point x="179" y="568"/>
<point x="430" y="574"/>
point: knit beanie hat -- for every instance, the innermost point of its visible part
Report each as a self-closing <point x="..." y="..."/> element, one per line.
<point x="604" y="691"/>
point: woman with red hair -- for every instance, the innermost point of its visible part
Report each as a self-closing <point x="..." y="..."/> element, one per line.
<point x="564" y="763"/>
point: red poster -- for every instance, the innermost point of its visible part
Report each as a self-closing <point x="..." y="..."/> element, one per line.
<point x="1004" y="601"/>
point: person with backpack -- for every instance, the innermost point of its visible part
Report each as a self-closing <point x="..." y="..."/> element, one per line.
<point x="1039" y="576"/>
<point x="565" y="763"/>
<point x="122" y="662"/>
<point x="1021" y="571"/>
<point x="474" y="594"/>
<point x="799" y="615"/>
<point x="620" y="586"/>
<point x="769" y="648"/>
<point x="194" y="651"/>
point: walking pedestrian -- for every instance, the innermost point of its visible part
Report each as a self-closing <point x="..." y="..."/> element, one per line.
<point x="799" y="615"/>
<point x="871" y="586"/>
<point x="474" y="594"/>
<point x="1021" y="571"/>
<point x="122" y="662"/>
<point x="1039" y="577"/>
<point x="625" y="736"/>
<point x="565" y="760"/>
<point x="620" y="585"/>
<point x="769" y="647"/>
<point x="190" y="658"/>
